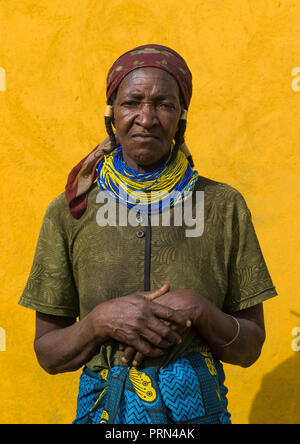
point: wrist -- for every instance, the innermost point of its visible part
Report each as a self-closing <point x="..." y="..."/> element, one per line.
<point x="200" y="316"/>
<point x="98" y="324"/>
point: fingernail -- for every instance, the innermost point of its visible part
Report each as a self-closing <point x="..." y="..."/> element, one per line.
<point x="179" y="341"/>
<point x="135" y="364"/>
<point x="188" y="323"/>
<point x="124" y="359"/>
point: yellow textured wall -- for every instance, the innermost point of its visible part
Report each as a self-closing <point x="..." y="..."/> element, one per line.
<point x="243" y="129"/>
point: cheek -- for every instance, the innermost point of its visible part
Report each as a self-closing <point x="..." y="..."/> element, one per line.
<point x="122" y="122"/>
<point x="171" y="127"/>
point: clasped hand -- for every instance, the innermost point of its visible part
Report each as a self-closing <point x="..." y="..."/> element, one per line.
<point x="184" y="308"/>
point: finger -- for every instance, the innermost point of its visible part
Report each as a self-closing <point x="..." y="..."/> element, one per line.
<point x="157" y="352"/>
<point x="151" y="295"/>
<point x="159" y="334"/>
<point x="128" y="354"/>
<point x="138" y="359"/>
<point x="165" y="338"/>
<point x="171" y="315"/>
<point x="180" y="329"/>
<point x="146" y="349"/>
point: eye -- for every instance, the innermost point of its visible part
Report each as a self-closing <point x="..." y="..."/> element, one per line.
<point x="167" y="106"/>
<point x="130" y="103"/>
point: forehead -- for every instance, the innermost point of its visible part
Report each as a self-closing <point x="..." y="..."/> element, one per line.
<point x="149" y="80"/>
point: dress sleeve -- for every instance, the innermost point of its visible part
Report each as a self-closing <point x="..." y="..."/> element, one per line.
<point x="249" y="281"/>
<point x="50" y="287"/>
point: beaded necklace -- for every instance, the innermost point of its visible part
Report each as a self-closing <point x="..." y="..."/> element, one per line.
<point x="150" y="192"/>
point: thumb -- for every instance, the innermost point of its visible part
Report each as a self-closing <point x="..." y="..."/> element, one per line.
<point x="151" y="295"/>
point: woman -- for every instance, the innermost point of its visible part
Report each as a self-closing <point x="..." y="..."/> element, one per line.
<point x="158" y="310"/>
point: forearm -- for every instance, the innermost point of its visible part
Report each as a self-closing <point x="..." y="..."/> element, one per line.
<point x="67" y="349"/>
<point x="218" y="329"/>
<point x="131" y="320"/>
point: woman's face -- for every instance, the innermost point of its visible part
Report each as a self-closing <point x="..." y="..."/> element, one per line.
<point x="147" y="110"/>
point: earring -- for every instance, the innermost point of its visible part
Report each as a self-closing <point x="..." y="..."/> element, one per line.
<point x="183" y="115"/>
<point x="108" y="111"/>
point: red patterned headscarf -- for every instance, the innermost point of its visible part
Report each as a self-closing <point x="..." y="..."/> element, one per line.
<point x="84" y="174"/>
<point x="156" y="56"/>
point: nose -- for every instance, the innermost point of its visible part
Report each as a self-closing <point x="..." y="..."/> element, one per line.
<point x="147" y="116"/>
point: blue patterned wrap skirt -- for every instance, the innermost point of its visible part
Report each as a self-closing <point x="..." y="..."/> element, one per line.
<point x="188" y="391"/>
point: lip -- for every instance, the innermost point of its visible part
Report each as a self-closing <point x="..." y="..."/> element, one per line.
<point x="144" y="136"/>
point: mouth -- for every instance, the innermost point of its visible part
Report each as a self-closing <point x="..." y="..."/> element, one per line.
<point x="144" y="137"/>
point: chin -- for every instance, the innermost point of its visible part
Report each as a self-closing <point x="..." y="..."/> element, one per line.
<point x="147" y="155"/>
<point x="147" y="161"/>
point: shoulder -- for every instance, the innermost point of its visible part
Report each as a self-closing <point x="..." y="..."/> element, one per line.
<point x="218" y="191"/>
<point x="57" y="215"/>
<point x="58" y="211"/>
<point x="222" y="201"/>
<point x="57" y="207"/>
